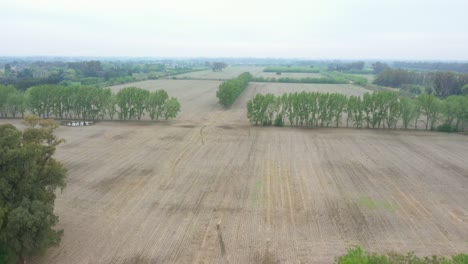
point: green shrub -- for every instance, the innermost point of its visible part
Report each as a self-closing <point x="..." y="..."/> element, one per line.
<point x="446" y="128"/>
<point x="91" y="80"/>
<point x="460" y="259"/>
<point x="279" y="120"/>
<point x="356" y="255"/>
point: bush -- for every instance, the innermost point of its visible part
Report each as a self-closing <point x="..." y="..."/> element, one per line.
<point x="279" y="120"/>
<point x="446" y="128"/>
<point x="464" y="89"/>
<point x="413" y="88"/>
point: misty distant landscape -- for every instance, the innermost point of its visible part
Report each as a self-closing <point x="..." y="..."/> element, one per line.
<point x="234" y="132"/>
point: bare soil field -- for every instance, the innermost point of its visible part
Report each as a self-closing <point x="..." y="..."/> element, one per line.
<point x="197" y="97"/>
<point x="232" y="72"/>
<point x="228" y="73"/>
<point x="209" y="188"/>
<point x="280" y="88"/>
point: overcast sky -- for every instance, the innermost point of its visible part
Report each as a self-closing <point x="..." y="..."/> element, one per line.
<point x="314" y="29"/>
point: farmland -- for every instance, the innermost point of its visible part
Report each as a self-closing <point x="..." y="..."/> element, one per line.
<point x="228" y="73"/>
<point x="146" y="192"/>
<point x="143" y="192"/>
<point x="234" y="71"/>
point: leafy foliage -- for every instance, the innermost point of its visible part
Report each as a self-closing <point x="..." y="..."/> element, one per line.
<point x="379" y="67"/>
<point x="218" y="66"/>
<point x="85" y="102"/>
<point x="132" y="102"/>
<point x="358" y="65"/>
<point x="376" y="110"/>
<point x="29" y="176"/>
<point x="229" y="90"/>
<point x="443" y="83"/>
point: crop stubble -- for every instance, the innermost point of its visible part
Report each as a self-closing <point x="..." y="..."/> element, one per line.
<point x="154" y="193"/>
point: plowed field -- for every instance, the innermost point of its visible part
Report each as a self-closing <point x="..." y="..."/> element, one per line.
<point x="209" y="188"/>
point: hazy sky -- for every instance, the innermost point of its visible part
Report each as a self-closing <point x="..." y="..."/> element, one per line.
<point x="315" y="29"/>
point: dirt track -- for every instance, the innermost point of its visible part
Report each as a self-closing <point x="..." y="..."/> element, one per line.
<point x="154" y="193"/>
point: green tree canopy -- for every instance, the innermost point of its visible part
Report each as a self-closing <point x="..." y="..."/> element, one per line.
<point x="29" y="176"/>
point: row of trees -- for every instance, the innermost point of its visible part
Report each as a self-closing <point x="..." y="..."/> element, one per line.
<point x="134" y="102"/>
<point x="216" y="66"/>
<point x="433" y="66"/>
<point x="443" y="83"/>
<point x="372" y="110"/>
<point x="229" y="90"/>
<point x="87" y="103"/>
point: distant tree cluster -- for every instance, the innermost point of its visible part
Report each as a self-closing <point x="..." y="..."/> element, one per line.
<point x="443" y="83"/>
<point x="87" y="102"/>
<point x="25" y="74"/>
<point x="217" y="66"/>
<point x="88" y="68"/>
<point x="359" y="65"/>
<point x="379" y="67"/>
<point x="373" y="110"/>
<point x="432" y="66"/>
<point x="229" y="90"/>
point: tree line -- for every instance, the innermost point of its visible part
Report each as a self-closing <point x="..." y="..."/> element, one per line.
<point x="229" y="90"/>
<point x="372" y="110"/>
<point x="442" y="83"/>
<point x="352" y="67"/>
<point x="87" y="103"/>
<point x="433" y="66"/>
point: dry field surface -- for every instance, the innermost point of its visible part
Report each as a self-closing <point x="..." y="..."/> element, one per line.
<point x="232" y="72"/>
<point x="155" y="193"/>
<point x="280" y="88"/>
<point x="296" y="75"/>
<point x="228" y="73"/>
